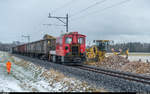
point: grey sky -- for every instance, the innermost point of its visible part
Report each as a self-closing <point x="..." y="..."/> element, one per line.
<point x="127" y="22"/>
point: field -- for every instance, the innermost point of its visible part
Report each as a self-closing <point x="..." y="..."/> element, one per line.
<point x="136" y="56"/>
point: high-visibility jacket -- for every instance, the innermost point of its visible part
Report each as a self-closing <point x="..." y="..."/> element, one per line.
<point x="8" y="65"/>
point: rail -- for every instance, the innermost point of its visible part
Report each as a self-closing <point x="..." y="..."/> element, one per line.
<point x="130" y="77"/>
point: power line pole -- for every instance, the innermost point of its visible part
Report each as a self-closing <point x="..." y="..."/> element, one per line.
<point x="61" y="19"/>
<point x="28" y="37"/>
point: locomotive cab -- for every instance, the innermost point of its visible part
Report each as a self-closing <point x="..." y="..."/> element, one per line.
<point x="70" y="48"/>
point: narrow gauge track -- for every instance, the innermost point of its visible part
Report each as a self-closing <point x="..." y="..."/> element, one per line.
<point x="130" y="77"/>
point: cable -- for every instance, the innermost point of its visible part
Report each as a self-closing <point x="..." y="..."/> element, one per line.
<point x="53" y="25"/>
<point x="54" y="11"/>
<point x="59" y="8"/>
<point x="113" y="5"/>
<point x="40" y="24"/>
<point x="93" y="5"/>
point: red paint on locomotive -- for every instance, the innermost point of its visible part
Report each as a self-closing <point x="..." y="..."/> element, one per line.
<point x="65" y="42"/>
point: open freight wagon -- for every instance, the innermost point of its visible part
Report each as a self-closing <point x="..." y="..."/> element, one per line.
<point x="39" y="49"/>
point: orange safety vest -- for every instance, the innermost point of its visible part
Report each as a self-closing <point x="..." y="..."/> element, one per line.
<point x="8" y="65"/>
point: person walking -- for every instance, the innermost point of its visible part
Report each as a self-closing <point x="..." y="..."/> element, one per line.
<point x="8" y="66"/>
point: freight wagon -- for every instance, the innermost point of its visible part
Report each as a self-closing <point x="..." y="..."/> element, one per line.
<point x="68" y="48"/>
<point x="39" y="49"/>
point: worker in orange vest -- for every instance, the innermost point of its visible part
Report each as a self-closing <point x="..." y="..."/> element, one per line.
<point x="8" y="65"/>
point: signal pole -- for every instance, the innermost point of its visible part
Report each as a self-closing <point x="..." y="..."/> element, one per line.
<point x="28" y="37"/>
<point x="61" y="19"/>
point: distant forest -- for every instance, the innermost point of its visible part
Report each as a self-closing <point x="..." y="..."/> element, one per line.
<point x="133" y="46"/>
<point x="8" y="46"/>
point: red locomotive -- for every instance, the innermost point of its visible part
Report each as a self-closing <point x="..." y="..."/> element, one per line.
<point x="68" y="48"/>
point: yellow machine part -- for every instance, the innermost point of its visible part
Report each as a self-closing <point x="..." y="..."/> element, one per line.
<point x="126" y="53"/>
<point x="94" y="54"/>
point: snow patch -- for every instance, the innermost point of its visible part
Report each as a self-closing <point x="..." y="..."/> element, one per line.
<point x="27" y="77"/>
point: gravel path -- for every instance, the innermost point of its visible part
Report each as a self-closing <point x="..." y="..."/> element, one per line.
<point x="98" y="80"/>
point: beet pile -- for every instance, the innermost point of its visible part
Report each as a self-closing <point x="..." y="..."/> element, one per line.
<point x="122" y="64"/>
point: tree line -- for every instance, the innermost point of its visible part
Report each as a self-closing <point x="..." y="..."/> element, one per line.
<point x="7" y="46"/>
<point x="132" y="46"/>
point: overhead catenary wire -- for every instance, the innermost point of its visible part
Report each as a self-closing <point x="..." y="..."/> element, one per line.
<point x="56" y="10"/>
<point x="91" y="6"/>
<point x="109" y="7"/>
<point x="38" y="26"/>
<point x="71" y="2"/>
<point x="53" y="25"/>
<point x="64" y="5"/>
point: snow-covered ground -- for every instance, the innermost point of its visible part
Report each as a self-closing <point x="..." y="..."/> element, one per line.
<point x="136" y="56"/>
<point x="27" y="77"/>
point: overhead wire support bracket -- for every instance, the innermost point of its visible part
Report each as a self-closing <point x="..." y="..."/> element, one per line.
<point x="60" y="19"/>
<point x="54" y="25"/>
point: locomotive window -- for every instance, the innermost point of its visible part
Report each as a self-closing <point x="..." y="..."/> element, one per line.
<point x="68" y="40"/>
<point x="81" y="40"/>
<point x="101" y="45"/>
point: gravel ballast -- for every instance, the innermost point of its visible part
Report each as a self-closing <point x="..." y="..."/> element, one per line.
<point x="99" y="80"/>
